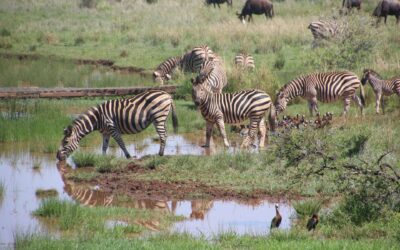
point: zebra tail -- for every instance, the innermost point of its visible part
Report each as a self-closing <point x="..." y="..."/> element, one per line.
<point x="272" y="11"/>
<point x="174" y="118"/>
<point x="362" y="95"/>
<point x="272" y="117"/>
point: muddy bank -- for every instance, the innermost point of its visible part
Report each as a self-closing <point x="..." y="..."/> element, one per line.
<point x="126" y="181"/>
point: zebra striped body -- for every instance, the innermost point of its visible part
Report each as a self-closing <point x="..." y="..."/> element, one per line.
<point x="234" y="108"/>
<point x="381" y="87"/>
<point x="244" y="61"/>
<point x="121" y="116"/>
<point x="213" y="75"/>
<point x="324" y="29"/>
<point x="164" y="70"/>
<point x="325" y="87"/>
<point x="189" y="62"/>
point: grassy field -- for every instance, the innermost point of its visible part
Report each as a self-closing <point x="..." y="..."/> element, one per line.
<point x="334" y="162"/>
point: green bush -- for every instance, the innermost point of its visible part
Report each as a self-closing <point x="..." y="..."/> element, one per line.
<point x="84" y="159"/>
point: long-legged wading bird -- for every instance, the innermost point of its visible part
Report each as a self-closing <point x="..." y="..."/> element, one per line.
<point x="312" y="222"/>
<point x="276" y="221"/>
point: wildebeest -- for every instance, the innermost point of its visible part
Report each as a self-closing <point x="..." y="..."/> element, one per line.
<point x="257" y="7"/>
<point x="218" y="2"/>
<point x="387" y="7"/>
<point x="352" y="4"/>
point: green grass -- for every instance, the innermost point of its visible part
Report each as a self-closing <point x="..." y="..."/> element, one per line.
<point x="2" y="190"/>
<point x="84" y="159"/>
<point x="306" y="208"/>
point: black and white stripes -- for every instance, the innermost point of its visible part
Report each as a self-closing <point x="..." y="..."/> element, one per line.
<point x="121" y="116"/>
<point x="213" y="75"/>
<point x="381" y="87"/>
<point x="234" y="108"/>
<point x="325" y="87"/>
<point x="244" y="61"/>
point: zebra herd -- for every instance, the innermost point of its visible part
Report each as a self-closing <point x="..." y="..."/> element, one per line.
<point x="132" y="115"/>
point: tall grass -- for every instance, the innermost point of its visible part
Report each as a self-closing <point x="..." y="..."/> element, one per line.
<point x="2" y="191"/>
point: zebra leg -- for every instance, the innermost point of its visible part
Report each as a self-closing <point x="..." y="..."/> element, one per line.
<point x="383" y="105"/>
<point x="106" y="140"/>
<point x="377" y="102"/>
<point x="162" y="133"/>
<point x="254" y="125"/>
<point x="221" y="127"/>
<point x="312" y="106"/>
<point x="209" y="129"/>
<point x="262" y="133"/>
<point x="346" y="102"/>
<point x="117" y="137"/>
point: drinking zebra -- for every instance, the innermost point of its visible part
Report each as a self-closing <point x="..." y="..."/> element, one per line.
<point x="121" y="116"/>
<point x="244" y="61"/>
<point x="381" y="87"/>
<point x="325" y="87"/>
<point x="213" y="74"/>
<point x="189" y="62"/>
<point x="234" y="108"/>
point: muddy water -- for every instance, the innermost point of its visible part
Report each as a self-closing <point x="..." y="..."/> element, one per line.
<point x="21" y="181"/>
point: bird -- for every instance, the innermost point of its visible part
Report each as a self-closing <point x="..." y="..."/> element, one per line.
<point x="276" y="221"/>
<point x="312" y="222"/>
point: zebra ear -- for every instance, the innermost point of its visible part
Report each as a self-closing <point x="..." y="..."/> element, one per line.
<point x="68" y="130"/>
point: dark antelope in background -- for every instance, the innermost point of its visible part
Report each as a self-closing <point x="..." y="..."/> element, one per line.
<point x="352" y="4"/>
<point x="218" y="2"/>
<point x="381" y="87"/>
<point x="324" y="87"/>
<point x="257" y="7"/>
<point x="387" y="7"/>
<point x="121" y="116"/>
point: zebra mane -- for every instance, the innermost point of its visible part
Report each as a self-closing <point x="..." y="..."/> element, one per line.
<point x="373" y="72"/>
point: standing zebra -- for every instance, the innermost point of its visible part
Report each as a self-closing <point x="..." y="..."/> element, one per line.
<point x="325" y="87"/>
<point x="121" y="116"/>
<point x="234" y="108"/>
<point x="213" y="74"/>
<point x="381" y="87"/>
<point x="244" y="61"/>
<point x="189" y="62"/>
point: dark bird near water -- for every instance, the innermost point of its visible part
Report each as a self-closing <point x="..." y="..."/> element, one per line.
<point x="312" y="222"/>
<point x="276" y="221"/>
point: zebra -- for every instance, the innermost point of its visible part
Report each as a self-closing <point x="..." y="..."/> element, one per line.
<point x="325" y="87"/>
<point x="213" y="74"/>
<point x="234" y="108"/>
<point x="164" y="70"/>
<point x="244" y="61"/>
<point x="189" y="62"/>
<point x="323" y="29"/>
<point x="381" y="87"/>
<point x="121" y="116"/>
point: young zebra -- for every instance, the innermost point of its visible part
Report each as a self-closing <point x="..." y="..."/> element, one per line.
<point x="121" y="116"/>
<point x="244" y="61"/>
<point x="213" y="74"/>
<point x="381" y="87"/>
<point x="325" y="87"/>
<point x="189" y="62"/>
<point x="234" y="108"/>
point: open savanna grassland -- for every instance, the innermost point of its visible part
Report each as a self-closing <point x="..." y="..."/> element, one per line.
<point x="334" y="162"/>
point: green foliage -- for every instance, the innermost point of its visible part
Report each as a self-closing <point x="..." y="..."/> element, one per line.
<point x="52" y="208"/>
<point x="2" y="190"/>
<point x="306" y="208"/>
<point x="44" y="193"/>
<point x="84" y="159"/>
<point x="5" y="32"/>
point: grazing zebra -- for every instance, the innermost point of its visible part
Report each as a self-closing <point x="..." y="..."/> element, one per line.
<point x="164" y="70"/>
<point x="213" y="74"/>
<point x="325" y="87"/>
<point x="121" y="116"/>
<point x="381" y="87"/>
<point x="234" y="108"/>
<point x="189" y="62"/>
<point x="244" y="61"/>
<point x="324" y="29"/>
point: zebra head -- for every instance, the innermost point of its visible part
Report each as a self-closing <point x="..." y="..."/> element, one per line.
<point x="199" y="92"/>
<point x="366" y="75"/>
<point x="158" y="77"/>
<point x="281" y="102"/>
<point x="69" y="143"/>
